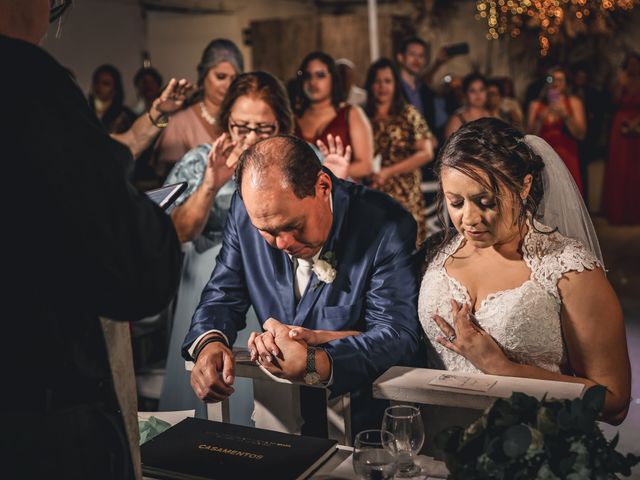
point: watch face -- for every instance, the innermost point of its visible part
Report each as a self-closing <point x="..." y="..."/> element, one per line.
<point x="312" y="378"/>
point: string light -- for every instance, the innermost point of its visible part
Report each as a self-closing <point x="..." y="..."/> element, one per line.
<point x="549" y="16"/>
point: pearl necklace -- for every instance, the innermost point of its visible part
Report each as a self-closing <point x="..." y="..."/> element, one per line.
<point x="206" y="115"/>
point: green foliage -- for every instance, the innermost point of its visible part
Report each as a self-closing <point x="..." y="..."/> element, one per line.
<point x="524" y="438"/>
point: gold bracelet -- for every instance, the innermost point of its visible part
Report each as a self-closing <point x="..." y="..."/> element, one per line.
<point x="157" y="123"/>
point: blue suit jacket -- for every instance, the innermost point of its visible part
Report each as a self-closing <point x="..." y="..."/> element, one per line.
<point x="375" y="290"/>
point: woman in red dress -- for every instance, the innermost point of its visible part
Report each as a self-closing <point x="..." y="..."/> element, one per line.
<point x="321" y="115"/>
<point x="559" y="118"/>
<point x="622" y="176"/>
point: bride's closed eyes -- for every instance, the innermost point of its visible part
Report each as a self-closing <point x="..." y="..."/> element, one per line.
<point x="482" y="200"/>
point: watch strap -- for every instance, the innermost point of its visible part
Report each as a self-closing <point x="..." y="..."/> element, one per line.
<point x="311" y="360"/>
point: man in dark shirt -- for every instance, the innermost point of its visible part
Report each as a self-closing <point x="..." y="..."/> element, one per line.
<point x="416" y="77"/>
<point x="79" y="244"/>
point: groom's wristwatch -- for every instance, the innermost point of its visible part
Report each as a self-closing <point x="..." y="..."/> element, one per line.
<point x="311" y="376"/>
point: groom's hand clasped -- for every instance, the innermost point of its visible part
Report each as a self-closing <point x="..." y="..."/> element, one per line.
<point x="282" y="350"/>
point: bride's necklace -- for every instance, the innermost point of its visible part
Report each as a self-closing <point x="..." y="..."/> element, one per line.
<point x="206" y="115"/>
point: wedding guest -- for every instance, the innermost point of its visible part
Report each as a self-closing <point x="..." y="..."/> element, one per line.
<point x="107" y="99"/>
<point x="320" y="112"/>
<point x="354" y="95"/>
<point x="401" y="137"/>
<point x="474" y="87"/>
<point x="140" y="137"/>
<point x="287" y="215"/>
<point x="596" y="105"/>
<point x="495" y="95"/>
<point x="509" y="102"/>
<point x="417" y="76"/>
<point x="521" y="290"/>
<point x="148" y="83"/>
<point x="622" y="174"/>
<point x="559" y="118"/>
<point x="221" y="62"/>
<point x="87" y="246"/>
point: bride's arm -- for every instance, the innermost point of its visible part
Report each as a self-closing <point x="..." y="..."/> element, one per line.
<point x="593" y="328"/>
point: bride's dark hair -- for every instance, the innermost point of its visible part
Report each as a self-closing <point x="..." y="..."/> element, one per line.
<point x="494" y="154"/>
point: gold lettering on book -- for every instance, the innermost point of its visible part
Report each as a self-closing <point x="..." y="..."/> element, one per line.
<point x="229" y="451"/>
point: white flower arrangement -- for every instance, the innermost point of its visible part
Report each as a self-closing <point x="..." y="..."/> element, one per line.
<point x="324" y="268"/>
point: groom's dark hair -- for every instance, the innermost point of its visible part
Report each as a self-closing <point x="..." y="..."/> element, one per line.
<point x="295" y="159"/>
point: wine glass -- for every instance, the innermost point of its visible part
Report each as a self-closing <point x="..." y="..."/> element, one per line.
<point x="404" y="422"/>
<point x="374" y="455"/>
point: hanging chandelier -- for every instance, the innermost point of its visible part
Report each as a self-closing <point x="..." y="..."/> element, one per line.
<point x="549" y="17"/>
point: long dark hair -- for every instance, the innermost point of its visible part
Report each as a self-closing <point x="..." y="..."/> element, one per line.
<point x="398" y="103"/>
<point x="264" y="86"/>
<point x="302" y="101"/>
<point x="117" y="104"/>
<point x="494" y="154"/>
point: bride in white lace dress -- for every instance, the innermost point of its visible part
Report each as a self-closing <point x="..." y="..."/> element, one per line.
<point x="508" y="295"/>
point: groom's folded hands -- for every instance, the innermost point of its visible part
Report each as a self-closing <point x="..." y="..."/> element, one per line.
<point x="213" y="372"/>
<point x="284" y="355"/>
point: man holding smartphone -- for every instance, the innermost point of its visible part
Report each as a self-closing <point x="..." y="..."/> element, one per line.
<point x="417" y="76"/>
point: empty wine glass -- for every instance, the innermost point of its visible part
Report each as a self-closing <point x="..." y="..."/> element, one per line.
<point x="374" y="455"/>
<point x="404" y="422"/>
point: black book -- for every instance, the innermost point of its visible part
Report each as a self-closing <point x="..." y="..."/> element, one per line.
<point x="197" y="449"/>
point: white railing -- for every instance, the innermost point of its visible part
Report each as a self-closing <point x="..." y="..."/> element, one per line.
<point x="277" y="402"/>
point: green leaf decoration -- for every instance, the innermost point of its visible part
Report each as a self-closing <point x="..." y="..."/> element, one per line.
<point x="525" y="438"/>
<point x="593" y="398"/>
<point x="516" y="440"/>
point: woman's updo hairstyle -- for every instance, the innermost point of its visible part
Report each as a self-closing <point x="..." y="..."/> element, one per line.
<point x="494" y="154"/>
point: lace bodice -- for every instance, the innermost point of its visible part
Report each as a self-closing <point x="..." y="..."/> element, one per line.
<point x="525" y="321"/>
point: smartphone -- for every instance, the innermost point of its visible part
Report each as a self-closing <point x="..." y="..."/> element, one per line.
<point x="553" y="96"/>
<point x="165" y="196"/>
<point x="457" y="49"/>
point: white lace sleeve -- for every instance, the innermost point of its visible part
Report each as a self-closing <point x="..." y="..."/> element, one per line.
<point x="558" y="255"/>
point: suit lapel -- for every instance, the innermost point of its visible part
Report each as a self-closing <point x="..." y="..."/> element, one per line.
<point x="316" y="287"/>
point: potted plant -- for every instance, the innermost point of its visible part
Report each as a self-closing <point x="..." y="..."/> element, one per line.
<point x="525" y="438"/>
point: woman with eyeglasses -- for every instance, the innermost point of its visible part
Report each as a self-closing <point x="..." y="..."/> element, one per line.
<point x="324" y="120"/>
<point x="221" y="62"/>
<point x="256" y="106"/>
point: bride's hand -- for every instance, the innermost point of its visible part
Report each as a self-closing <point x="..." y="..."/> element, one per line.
<point x="468" y="339"/>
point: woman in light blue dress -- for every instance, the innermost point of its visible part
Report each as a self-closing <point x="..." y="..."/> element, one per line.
<point x="255" y="107"/>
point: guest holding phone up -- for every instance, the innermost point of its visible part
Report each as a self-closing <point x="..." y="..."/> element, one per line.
<point x="559" y="118"/>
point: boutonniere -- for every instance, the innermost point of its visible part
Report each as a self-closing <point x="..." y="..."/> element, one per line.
<point x="325" y="268"/>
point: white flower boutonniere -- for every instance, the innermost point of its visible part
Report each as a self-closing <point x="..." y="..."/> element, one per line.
<point x="325" y="268"/>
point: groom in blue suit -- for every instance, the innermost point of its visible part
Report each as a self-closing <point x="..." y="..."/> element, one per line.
<point x="307" y="249"/>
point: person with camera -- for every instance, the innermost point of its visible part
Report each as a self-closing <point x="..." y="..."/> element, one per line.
<point x="559" y="118"/>
<point x="417" y="76"/>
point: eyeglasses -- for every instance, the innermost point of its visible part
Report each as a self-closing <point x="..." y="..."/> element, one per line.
<point x="57" y="8"/>
<point x="318" y="74"/>
<point x="261" y="130"/>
